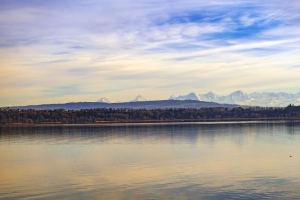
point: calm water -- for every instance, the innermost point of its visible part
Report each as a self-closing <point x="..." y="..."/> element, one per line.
<point x="151" y="161"/>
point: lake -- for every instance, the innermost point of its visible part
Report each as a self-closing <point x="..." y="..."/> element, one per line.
<point x="233" y="160"/>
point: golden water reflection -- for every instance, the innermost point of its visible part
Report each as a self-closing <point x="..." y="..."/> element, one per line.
<point x="174" y="161"/>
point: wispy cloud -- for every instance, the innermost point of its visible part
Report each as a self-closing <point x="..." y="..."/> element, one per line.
<point x="117" y="48"/>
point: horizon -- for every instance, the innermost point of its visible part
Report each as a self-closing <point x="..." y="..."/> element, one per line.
<point x="62" y="51"/>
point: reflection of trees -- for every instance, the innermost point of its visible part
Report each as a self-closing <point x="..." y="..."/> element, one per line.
<point x="165" y="133"/>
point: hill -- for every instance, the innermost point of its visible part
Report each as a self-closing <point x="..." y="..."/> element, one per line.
<point x="136" y="105"/>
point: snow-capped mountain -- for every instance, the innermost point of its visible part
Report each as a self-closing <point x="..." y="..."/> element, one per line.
<point x="264" y="99"/>
<point x="280" y="99"/>
<point x="233" y="98"/>
<point x="239" y="97"/>
<point x="210" y="97"/>
<point x="275" y="99"/>
<point x="190" y="96"/>
<point x="105" y="100"/>
<point x="172" y="97"/>
<point x="139" y="98"/>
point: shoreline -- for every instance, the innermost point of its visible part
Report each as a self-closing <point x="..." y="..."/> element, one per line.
<point x="159" y="121"/>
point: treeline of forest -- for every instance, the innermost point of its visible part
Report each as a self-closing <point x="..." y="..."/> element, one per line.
<point x="99" y="115"/>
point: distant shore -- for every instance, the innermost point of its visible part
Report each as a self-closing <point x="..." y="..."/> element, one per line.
<point x="103" y="115"/>
<point x="161" y="121"/>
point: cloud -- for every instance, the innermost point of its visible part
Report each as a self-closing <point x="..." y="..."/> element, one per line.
<point x="246" y="20"/>
<point x="128" y="46"/>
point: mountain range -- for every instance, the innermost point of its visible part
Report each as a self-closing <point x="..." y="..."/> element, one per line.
<point x="264" y="99"/>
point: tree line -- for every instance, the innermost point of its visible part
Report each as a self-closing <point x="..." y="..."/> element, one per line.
<point x="99" y="115"/>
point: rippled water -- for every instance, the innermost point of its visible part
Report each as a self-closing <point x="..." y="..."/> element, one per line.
<point x="250" y="160"/>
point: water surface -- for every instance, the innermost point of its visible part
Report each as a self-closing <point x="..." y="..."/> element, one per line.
<point x="252" y="160"/>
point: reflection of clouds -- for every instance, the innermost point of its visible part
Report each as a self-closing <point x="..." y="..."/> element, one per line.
<point x="211" y="161"/>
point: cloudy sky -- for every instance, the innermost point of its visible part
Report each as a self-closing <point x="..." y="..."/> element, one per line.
<point x="70" y="50"/>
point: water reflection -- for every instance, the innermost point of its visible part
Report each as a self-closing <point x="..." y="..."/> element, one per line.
<point x="164" y="132"/>
<point x="151" y="161"/>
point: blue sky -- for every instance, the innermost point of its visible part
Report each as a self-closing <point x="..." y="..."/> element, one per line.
<point x="63" y="50"/>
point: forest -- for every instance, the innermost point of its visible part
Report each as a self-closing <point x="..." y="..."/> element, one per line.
<point x="102" y="115"/>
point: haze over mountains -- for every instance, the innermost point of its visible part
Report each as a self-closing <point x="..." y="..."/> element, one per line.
<point x="264" y="99"/>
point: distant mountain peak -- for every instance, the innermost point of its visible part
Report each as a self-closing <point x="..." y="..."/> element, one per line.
<point x="190" y="96"/>
<point x="192" y="93"/>
<point x="238" y="92"/>
<point x="210" y="93"/>
<point x="172" y="97"/>
<point x="104" y="100"/>
<point x="139" y="98"/>
<point x="209" y="97"/>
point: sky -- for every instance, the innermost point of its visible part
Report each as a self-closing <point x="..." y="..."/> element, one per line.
<point x="69" y="50"/>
